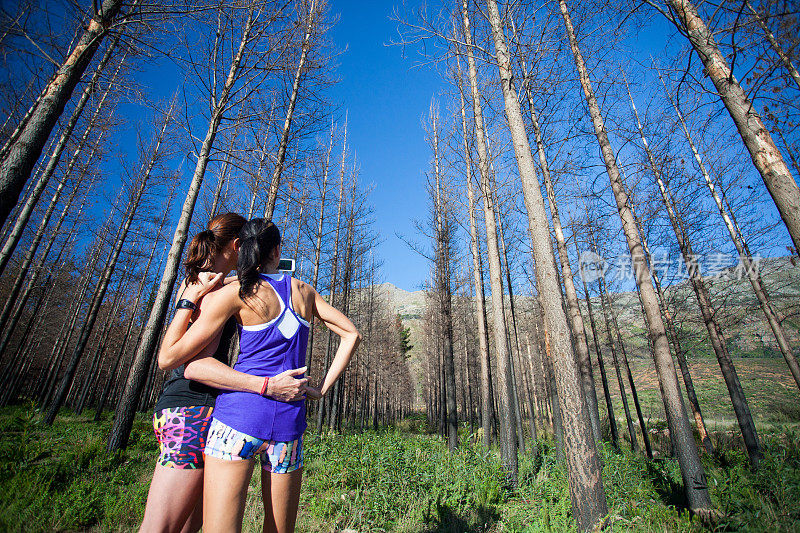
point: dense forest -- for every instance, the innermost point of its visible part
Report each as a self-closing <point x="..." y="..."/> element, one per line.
<point x="612" y="230"/>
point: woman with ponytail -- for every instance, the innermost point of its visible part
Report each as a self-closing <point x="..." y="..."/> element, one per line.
<point x="183" y="411"/>
<point x="273" y="311"/>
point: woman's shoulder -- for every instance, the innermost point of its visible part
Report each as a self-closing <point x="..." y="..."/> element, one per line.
<point x="224" y="295"/>
<point x="306" y="290"/>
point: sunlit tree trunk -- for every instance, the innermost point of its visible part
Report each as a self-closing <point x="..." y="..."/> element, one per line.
<point x="487" y="411"/>
<point x="583" y="463"/>
<point x="694" y="479"/>
<point x="508" y="438"/>
<point x="24" y="214"/>
<point x="25" y="149"/>
<point x="581" y="345"/>
<point x="766" y="156"/>
<point x="680" y="354"/>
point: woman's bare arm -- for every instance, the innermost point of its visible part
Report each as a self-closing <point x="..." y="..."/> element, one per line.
<point x="181" y="343"/>
<point x="337" y="322"/>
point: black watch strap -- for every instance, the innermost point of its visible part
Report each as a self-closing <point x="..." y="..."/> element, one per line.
<point x="185" y="304"/>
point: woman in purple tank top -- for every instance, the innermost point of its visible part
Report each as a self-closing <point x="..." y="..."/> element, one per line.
<point x="273" y="311"/>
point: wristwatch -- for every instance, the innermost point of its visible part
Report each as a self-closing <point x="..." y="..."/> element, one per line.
<point x="185" y="304"/>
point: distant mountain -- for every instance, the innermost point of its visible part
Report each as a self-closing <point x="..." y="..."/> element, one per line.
<point x="743" y="323"/>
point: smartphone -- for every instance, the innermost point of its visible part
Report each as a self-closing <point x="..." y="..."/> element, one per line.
<point x="286" y="265"/>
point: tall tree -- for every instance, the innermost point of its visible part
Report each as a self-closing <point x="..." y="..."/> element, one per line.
<point x="487" y="411"/>
<point x="583" y="464"/>
<point x="694" y="480"/>
<point x="443" y="236"/>
<point x="27" y="142"/>
<point x="219" y="98"/>
<point x="765" y="154"/>
<point x="508" y="438"/>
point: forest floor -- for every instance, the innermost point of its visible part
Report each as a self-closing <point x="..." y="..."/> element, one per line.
<point x="403" y="479"/>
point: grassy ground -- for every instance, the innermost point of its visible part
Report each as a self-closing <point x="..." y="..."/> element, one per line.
<point x="400" y="479"/>
<point x="770" y="390"/>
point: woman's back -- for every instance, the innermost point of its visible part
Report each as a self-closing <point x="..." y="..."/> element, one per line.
<point x="268" y="348"/>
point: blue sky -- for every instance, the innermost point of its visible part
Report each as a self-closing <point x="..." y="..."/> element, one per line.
<point x="386" y="98"/>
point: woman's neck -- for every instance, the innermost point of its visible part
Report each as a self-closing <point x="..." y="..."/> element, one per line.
<point x="221" y="265"/>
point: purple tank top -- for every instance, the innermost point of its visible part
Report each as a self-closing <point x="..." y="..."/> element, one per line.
<point x="267" y="350"/>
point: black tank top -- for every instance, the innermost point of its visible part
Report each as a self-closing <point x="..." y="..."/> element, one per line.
<point x="181" y="392"/>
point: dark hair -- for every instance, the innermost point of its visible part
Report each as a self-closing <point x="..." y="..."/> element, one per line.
<point x="257" y="240"/>
<point x="222" y="229"/>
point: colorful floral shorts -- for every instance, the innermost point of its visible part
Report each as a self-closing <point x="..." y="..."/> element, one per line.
<point x="277" y="457"/>
<point x="181" y="434"/>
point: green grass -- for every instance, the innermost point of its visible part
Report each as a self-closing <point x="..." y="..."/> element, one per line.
<point x="399" y="479"/>
<point x="61" y="478"/>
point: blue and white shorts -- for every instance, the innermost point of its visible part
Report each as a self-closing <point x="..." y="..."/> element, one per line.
<point x="229" y="444"/>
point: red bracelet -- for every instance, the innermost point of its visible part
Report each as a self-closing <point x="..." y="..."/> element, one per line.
<point x="264" y="387"/>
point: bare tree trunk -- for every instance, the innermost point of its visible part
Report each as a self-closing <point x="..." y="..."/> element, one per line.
<point x="612" y="346"/>
<point x="612" y="419"/>
<point x="443" y="238"/>
<point x="25" y="212"/>
<point x="477" y="270"/>
<point x="694" y="479"/>
<point x="318" y="244"/>
<point x="25" y="150"/>
<point x="740" y="405"/>
<point x="123" y="421"/>
<point x="680" y="355"/>
<point x="581" y="345"/>
<point x="333" y="284"/>
<point x="516" y="406"/>
<point x="287" y="123"/>
<point x="776" y="47"/>
<point x="508" y="438"/>
<point x="766" y="156"/>
<point x="744" y="254"/>
<point x="226" y="165"/>
<point x="108" y="270"/>
<point x="583" y="464"/>
<point x="635" y="395"/>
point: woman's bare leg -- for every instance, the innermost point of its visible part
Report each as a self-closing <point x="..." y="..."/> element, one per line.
<point x="224" y="494"/>
<point x="173" y="496"/>
<point x="281" y="495"/>
<point x="195" y="521"/>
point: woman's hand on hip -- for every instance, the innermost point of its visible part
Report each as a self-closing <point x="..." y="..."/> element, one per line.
<point x="285" y="387"/>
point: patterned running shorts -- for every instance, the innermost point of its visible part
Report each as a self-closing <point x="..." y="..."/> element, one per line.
<point x="277" y="457"/>
<point x="181" y="434"/>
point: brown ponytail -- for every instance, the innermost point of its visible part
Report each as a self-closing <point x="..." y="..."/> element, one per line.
<point x="222" y="229"/>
